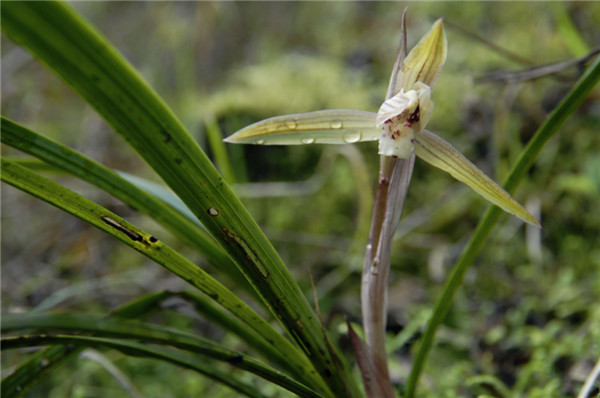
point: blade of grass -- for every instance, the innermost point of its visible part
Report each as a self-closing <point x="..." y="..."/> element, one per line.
<point x="41" y="364"/>
<point x="154" y="249"/>
<point x="33" y="370"/>
<point x="96" y="71"/>
<point x="528" y="156"/>
<point x="210" y="312"/>
<point x="149" y="333"/>
<point x="215" y="140"/>
<point x="156" y="190"/>
<point x="136" y="349"/>
<point x="65" y="158"/>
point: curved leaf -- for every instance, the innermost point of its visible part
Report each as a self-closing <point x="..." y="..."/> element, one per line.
<point x="126" y="329"/>
<point x="154" y="249"/>
<point x="96" y="71"/>
<point x="136" y="349"/>
<point x="31" y="371"/>
<point x="88" y="170"/>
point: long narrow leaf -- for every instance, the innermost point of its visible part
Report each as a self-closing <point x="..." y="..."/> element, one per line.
<point x="44" y="362"/>
<point x="87" y="62"/>
<point x="137" y="349"/>
<point x="27" y="374"/>
<point x="528" y="156"/>
<point x="255" y="342"/>
<point x="69" y="160"/>
<point x="154" y="249"/>
<point x="30" y="372"/>
<point x="135" y="330"/>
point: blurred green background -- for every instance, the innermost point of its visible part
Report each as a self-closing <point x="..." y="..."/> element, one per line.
<point x="527" y="319"/>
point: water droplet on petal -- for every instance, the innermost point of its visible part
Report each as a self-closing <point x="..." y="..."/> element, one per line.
<point x="308" y="140"/>
<point x="351" y="138"/>
<point x="336" y="124"/>
<point x="260" y="142"/>
<point x="291" y="124"/>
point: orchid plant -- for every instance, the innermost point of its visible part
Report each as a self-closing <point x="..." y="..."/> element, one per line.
<point x="200" y="210"/>
<point x="399" y="126"/>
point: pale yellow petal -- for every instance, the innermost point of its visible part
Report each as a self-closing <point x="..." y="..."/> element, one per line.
<point x="425" y="61"/>
<point x="441" y="154"/>
<point x="336" y="126"/>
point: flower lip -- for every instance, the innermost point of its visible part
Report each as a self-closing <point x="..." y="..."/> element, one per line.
<point x="413" y="107"/>
<point x="400" y="104"/>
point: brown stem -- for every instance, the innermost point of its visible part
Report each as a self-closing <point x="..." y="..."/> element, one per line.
<point x="394" y="178"/>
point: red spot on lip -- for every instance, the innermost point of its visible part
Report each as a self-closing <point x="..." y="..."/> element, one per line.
<point x="414" y="117"/>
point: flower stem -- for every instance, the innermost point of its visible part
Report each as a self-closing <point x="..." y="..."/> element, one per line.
<point x="394" y="179"/>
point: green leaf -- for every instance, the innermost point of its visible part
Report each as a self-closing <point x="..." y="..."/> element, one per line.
<point x="27" y="374"/>
<point x="34" y="369"/>
<point x="336" y="126"/>
<point x="149" y="333"/>
<point x="137" y="349"/>
<point x="96" y="71"/>
<point x="215" y="140"/>
<point x="441" y="154"/>
<point x="154" y="249"/>
<point x="88" y="170"/>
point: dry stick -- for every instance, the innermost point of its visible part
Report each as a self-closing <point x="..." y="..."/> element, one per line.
<point x="589" y="382"/>
<point x="537" y="71"/>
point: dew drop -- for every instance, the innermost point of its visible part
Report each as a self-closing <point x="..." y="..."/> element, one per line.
<point x="351" y="138"/>
<point x="212" y="211"/>
<point x="260" y="142"/>
<point x="336" y="124"/>
<point x="308" y="140"/>
<point x="291" y="124"/>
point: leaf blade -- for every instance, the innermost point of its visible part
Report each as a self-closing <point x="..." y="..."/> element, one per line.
<point x="174" y="220"/>
<point x="96" y="71"/>
<point x="160" y="253"/>
<point x="136" y="349"/>
<point x="113" y="327"/>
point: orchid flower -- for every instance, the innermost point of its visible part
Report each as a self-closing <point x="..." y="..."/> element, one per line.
<point x="399" y="125"/>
